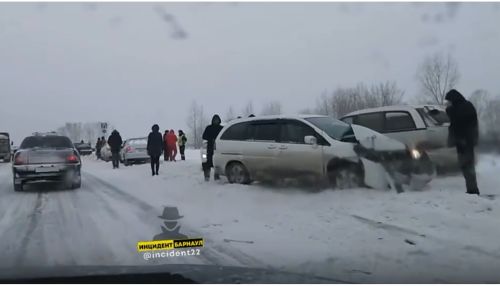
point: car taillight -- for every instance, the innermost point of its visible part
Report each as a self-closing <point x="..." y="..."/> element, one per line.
<point x="129" y="149"/>
<point x="72" y="159"/>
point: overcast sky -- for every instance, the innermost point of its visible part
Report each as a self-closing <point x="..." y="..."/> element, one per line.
<point x="134" y="65"/>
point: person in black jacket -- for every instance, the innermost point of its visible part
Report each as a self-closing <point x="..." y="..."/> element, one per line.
<point x="155" y="148"/>
<point x="181" y="141"/>
<point x="211" y="132"/>
<point x="463" y="134"/>
<point x="98" y="146"/>
<point x="115" y="144"/>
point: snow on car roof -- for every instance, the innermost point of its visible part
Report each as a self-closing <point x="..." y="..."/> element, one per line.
<point x="392" y="108"/>
<point x="281" y="116"/>
<point x="137" y="138"/>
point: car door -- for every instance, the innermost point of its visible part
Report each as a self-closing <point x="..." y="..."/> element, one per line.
<point x="261" y="148"/>
<point x="436" y="120"/>
<point x="295" y="157"/>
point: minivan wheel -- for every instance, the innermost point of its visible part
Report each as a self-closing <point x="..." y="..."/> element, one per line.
<point x="345" y="177"/>
<point x="237" y="174"/>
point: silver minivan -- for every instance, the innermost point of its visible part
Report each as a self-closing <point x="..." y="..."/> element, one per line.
<point x="319" y="147"/>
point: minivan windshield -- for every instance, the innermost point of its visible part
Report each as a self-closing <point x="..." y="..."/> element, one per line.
<point x="336" y="129"/>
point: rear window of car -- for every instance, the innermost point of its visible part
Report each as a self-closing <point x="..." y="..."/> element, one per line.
<point x="142" y="141"/>
<point x="374" y="121"/>
<point x="398" y="121"/>
<point x="46" y="142"/>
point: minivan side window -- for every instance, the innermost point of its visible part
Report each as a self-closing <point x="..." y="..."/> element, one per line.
<point x="238" y="132"/>
<point x="373" y="121"/>
<point x="265" y="130"/>
<point x="398" y="121"/>
<point x="294" y="132"/>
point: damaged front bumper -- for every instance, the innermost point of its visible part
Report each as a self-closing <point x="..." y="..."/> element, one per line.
<point x="395" y="169"/>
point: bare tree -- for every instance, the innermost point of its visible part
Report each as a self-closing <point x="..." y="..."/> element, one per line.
<point x="437" y="75"/>
<point x="196" y="122"/>
<point x="230" y="114"/>
<point x="488" y="114"/>
<point x="345" y="100"/>
<point x="248" y="109"/>
<point x="323" y="106"/>
<point x="386" y="93"/>
<point x="272" y="108"/>
<point x="491" y="119"/>
<point x="480" y="98"/>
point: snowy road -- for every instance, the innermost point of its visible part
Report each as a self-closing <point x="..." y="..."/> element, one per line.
<point x="436" y="235"/>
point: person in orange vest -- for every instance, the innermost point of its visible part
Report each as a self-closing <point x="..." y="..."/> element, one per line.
<point x="172" y="145"/>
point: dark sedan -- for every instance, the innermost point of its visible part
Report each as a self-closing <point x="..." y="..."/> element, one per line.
<point x="46" y="158"/>
<point x="83" y="148"/>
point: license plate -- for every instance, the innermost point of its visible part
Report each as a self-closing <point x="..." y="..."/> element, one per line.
<point x="46" y="169"/>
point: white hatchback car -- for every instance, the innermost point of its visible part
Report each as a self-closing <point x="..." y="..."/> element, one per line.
<point x="321" y="147"/>
<point x="423" y="128"/>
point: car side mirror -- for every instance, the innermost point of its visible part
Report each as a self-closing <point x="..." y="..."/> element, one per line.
<point x="310" y="140"/>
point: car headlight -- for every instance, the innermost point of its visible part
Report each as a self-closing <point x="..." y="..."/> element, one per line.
<point x="204" y="156"/>
<point x="415" y="154"/>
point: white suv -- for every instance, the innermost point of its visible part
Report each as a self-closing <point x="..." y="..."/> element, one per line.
<point x="329" y="150"/>
<point x="423" y="128"/>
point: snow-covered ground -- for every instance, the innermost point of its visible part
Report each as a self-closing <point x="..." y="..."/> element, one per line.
<point x="439" y="234"/>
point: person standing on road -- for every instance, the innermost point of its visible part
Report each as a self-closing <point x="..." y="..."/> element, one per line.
<point x="115" y="144"/>
<point x="464" y="135"/>
<point x="98" y="146"/>
<point x="155" y="147"/>
<point x="211" y="132"/>
<point x="172" y="145"/>
<point x="166" y="152"/>
<point x="181" y="141"/>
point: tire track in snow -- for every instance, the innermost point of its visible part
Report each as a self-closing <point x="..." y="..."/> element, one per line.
<point x="390" y="228"/>
<point x="218" y="257"/>
<point x="32" y="225"/>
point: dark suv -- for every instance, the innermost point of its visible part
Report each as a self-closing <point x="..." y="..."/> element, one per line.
<point x="47" y="158"/>
<point x="83" y="148"/>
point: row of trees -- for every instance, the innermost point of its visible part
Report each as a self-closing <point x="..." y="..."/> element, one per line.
<point x="344" y="100"/>
<point x="78" y="131"/>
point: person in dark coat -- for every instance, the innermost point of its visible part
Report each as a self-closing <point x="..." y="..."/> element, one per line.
<point x="115" y="144"/>
<point x="210" y="134"/>
<point x="155" y="148"/>
<point x="181" y="141"/>
<point x="98" y="146"/>
<point x="463" y="134"/>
